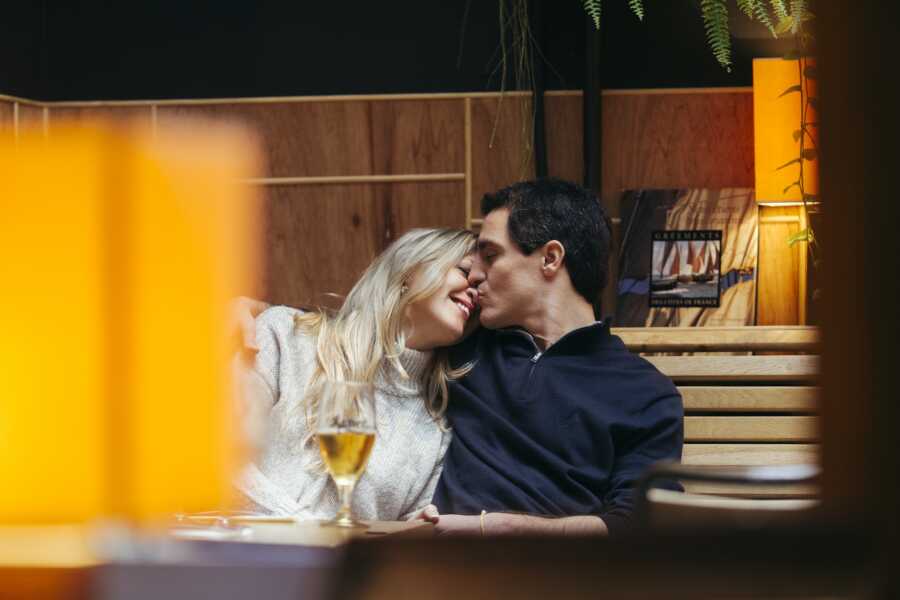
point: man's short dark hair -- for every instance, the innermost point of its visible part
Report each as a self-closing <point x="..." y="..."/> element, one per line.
<point x="553" y="209"/>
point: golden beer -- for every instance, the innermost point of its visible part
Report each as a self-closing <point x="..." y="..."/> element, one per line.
<point x="346" y="453"/>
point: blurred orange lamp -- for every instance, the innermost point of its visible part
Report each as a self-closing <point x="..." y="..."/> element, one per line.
<point x="121" y="249"/>
<point x="785" y="124"/>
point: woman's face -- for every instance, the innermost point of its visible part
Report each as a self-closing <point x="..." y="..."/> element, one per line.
<point x="440" y="319"/>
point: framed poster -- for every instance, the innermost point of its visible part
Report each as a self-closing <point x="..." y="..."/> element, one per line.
<point x="687" y="258"/>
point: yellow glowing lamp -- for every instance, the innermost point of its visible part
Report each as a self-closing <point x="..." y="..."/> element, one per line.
<point x="782" y="100"/>
<point x="121" y="249"/>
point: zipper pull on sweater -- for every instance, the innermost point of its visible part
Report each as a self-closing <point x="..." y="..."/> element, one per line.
<point x="535" y="358"/>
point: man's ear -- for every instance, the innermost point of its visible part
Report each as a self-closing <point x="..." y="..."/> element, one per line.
<point x="553" y="254"/>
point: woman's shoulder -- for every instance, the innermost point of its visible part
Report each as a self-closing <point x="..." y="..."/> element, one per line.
<point x="277" y="326"/>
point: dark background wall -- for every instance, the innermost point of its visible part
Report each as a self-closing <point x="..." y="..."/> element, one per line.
<point x="108" y="49"/>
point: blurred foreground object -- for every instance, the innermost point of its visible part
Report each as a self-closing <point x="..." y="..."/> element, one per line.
<point x="121" y="250"/>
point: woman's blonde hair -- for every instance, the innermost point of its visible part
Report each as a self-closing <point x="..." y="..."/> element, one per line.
<point x="366" y="334"/>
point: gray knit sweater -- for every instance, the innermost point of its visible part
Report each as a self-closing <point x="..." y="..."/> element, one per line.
<point x="405" y="463"/>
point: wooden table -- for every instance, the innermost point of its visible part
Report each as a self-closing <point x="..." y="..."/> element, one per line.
<point x="308" y="533"/>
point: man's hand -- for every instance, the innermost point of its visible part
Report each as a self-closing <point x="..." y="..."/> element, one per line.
<point x="243" y="324"/>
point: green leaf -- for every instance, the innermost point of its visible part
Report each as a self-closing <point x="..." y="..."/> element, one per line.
<point x="809" y="154"/>
<point x="801" y="236"/>
<point x="796" y="134"/>
<point x="793" y="89"/>
<point x="715" y="21"/>
<point x="810" y="72"/>
<point x="785" y="24"/>
<point x="637" y="7"/>
<point x="788" y="163"/>
<point x="592" y="8"/>
<point x="779" y="8"/>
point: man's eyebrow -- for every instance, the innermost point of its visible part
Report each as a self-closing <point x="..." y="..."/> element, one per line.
<point x="485" y="244"/>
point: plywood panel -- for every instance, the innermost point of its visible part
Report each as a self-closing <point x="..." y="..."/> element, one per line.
<point x="565" y="137"/>
<point x="300" y="138"/>
<point x="78" y="114"/>
<point x="424" y="205"/>
<point x="418" y="136"/>
<point x="318" y="240"/>
<point x="501" y="129"/>
<point x="6" y="115"/>
<point x="702" y="140"/>
<point x="31" y="117"/>
<point x="779" y="267"/>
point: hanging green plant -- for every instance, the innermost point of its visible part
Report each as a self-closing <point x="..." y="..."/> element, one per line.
<point x="779" y="17"/>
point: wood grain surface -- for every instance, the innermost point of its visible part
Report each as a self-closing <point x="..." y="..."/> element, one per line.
<point x="750" y="429"/>
<point x="6" y="115"/>
<point x="718" y="339"/>
<point x="720" y="455"/>
<point x="565" y="137"/>
<point x="700" y="140"/>
<point x="500" y="131"/>
<point x="750" y="399"/>
<point x="319" y="239"/>
<point x="59" y="115"/>
<point x="779" y="268"/>
<point x="737" y="368"/>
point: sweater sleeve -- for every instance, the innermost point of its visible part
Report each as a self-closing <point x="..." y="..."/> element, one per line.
<point x="424" y="497"/>
<point x="260" y="385"/>
<point x="660" y="439"/>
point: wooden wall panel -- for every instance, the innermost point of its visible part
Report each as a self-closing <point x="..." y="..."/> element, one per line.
<point x="500" y="130"/>
<point x="300" y="139"/>
<point x="418" y="136"/>
<point x="779" y="268"/>
<point x="565" y="137"/>
<point x="31" y="117"/>
<point x="413" y="205"/>
<point x="6" y="115"/>
<point x="702" y="140"/>
<point x="60" y="114"/>
<point x="318" y="240"/>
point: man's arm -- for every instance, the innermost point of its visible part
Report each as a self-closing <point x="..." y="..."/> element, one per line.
<point x="496" y="524"/>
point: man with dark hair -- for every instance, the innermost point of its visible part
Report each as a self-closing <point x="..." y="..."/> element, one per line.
<point x="556" y="417"/>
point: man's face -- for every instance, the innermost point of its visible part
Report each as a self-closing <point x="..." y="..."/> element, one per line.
<point x="507" y="280"/>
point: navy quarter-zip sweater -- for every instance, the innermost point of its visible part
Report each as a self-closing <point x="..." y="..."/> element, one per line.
<point x="560" y="433"/>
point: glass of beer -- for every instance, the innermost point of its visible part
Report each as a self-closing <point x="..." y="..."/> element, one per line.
<point x="345" y="431"/>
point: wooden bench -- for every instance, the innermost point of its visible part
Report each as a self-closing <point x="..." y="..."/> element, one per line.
<point x="740" y="410"/>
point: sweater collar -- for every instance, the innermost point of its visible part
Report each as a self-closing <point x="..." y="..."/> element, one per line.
<point x="415" y="363"/>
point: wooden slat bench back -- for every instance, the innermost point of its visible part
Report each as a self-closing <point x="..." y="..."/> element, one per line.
<point x="758" y="408"/>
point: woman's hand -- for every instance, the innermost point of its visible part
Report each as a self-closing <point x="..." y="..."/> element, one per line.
<point x="242" y="322"/>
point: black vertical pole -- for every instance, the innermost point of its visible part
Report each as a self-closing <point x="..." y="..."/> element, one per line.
<point x="591" y="107"/>
<point x="539" y="84"/>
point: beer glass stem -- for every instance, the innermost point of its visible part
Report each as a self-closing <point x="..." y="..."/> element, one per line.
<point x="345" y="494"/>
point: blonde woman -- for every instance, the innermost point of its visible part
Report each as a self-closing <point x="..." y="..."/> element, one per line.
<point x="411" y="302"/>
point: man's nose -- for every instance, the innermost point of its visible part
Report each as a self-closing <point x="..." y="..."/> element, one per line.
<point x="476" y="274"/>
